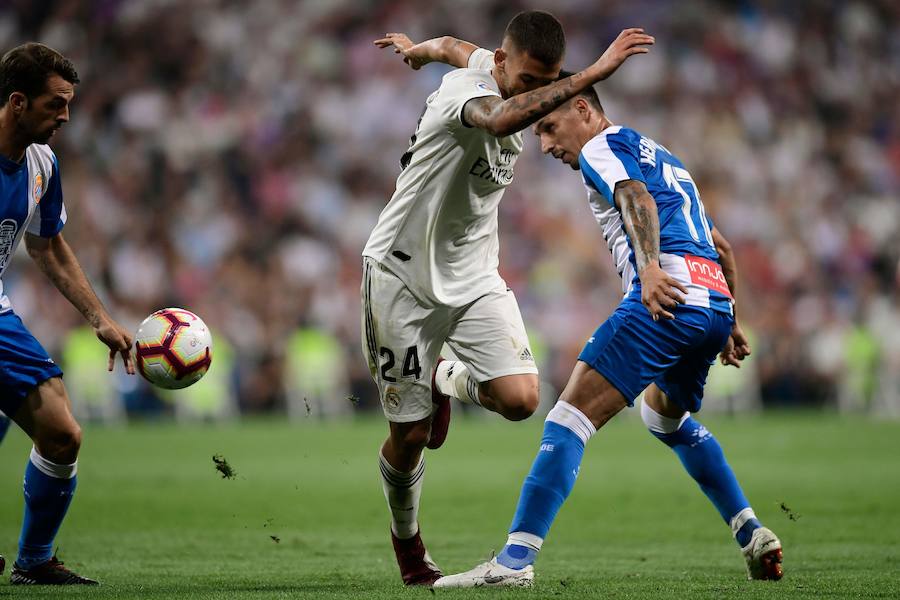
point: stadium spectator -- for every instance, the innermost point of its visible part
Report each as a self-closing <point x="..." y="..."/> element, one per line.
<point x="232" y="158"/>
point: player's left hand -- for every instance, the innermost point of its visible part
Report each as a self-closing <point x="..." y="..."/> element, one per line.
<point x="630" y="41"/>
<point x="118" y="340"/>
<point x="660" y="292"/>
<point x="736" y="349"/>
<point x="413" y="54"/>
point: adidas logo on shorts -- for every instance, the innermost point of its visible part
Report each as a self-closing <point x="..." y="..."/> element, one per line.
<point x="526" y="355"/>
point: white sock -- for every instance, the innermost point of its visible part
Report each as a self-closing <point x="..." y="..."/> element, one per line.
<point x="402" y="491"/>
<point x="529" y="540"/>
<point x="52" y="469"/>
<point x="453" y="379"/>
<point x="572" y="419"/>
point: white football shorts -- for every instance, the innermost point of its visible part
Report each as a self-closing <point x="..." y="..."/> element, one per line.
<point x="402" y="339"/>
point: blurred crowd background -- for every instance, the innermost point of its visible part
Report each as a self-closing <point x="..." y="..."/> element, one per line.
<point x="231" y="157"/>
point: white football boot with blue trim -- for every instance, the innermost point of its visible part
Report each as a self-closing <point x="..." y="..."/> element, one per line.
<point x="489" y="574"/>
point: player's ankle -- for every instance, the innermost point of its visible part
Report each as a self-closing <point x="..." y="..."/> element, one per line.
<point x="521" y="550"/>
<point x="514" y="556"/>
<point x="743" y="524"/>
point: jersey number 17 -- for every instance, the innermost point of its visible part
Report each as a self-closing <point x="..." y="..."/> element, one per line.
<point x="674" y="177"/>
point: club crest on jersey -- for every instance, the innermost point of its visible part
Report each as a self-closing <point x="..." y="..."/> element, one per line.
<point x="392" y="399"/>
<point x="37" y="190"/>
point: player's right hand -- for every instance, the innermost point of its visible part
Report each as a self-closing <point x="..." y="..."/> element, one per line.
<point x="119" y="341"/>
<point x="660" y="292"/>
<point x="630" y="41"/>
<point x="413" y="54"/>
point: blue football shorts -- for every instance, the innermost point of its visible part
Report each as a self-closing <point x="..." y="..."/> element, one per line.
<point x="24" y="363"/>
<point x="631" y="350"/>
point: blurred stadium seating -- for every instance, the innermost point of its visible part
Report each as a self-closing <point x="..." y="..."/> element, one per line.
<point x="231" y="157"/>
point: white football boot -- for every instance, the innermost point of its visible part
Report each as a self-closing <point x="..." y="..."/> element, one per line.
<point x="763" y="555"/>
<point x="489" y="574"/>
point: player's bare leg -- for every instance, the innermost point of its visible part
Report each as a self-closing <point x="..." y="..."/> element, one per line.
<point x="593" y="395"/>
<point x="515" y="397"/>
<point x="402" y="469"/>
<point x="46" y="417"/>
<point x="704" y="460"/>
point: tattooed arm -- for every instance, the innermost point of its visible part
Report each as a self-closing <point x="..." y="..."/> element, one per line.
<point x="447" y="49"/>
<point x="55" y="258"/>
<point x="505" y="117"/>
<point x="659" y="291"/>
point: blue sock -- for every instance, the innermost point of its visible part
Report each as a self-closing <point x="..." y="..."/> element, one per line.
<point x="515" y="556"/>
<point x="4" y="426"/>
<point x="47" y="499"/>
<point x="704" y="460"/>
<point x="549" y="483"/>
<point x="743" y="535"/>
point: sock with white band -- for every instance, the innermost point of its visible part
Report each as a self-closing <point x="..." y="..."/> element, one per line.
<point x="552" y="476"/>
<point x="402" y="491"/>
<point x="48" y="488"/>
<point x="704" y="460"/>
<point x="743" y="524"/>
<point x="453" y="379"/>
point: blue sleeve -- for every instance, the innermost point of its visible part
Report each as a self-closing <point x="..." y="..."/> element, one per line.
<point x="51" y="212"/>
<point x="608" y="159"/>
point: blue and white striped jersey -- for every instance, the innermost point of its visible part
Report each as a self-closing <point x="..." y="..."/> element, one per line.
<point x="687" y="251"/>
<point x="30" y="200"/>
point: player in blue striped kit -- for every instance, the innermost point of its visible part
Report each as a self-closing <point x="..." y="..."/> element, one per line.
<point x="37" y="85"/>
<point x="678" y="275"/>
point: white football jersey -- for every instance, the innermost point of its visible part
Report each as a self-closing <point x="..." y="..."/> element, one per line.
<point x="438" y="233"/>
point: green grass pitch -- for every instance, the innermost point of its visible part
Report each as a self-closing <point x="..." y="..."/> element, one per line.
<point x="305" y="517"/>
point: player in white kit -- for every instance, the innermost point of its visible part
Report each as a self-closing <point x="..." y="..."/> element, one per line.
<point x="430" y="265"/>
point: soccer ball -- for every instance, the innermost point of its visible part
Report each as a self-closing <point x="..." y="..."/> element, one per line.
<point x="173" y="348"/>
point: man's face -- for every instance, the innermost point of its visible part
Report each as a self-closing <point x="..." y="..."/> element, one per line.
<point x="564" y="132"/>
<point x="44" y="114"/>
<point x="519" y="72"/>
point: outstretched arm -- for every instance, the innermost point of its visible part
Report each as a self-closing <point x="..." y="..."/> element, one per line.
<point x="659" y="291"/>
<point x="738" y="346"/>
<point x="56" y="259"/>
<point x="446" y="49"/>
<point x="505" y="117"/>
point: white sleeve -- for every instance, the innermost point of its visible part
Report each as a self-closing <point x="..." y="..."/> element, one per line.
<point x="608" y="159"/>
<point x="481" y="59"/>
<point x="459" y="87"/>
<point x="49" y="214"/>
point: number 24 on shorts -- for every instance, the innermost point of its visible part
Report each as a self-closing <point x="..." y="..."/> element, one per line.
<point x="410" y="368"/>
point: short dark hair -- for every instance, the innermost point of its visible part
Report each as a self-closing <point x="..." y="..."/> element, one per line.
<point x="539" y="35"/>
<point x="589" y="93"/>
<point x="26" y="68"/>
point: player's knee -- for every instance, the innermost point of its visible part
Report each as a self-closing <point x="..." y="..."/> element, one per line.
<point x="61" y="446"/>
<point x="410" y="437"/>
<point x="520" y="403"/>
